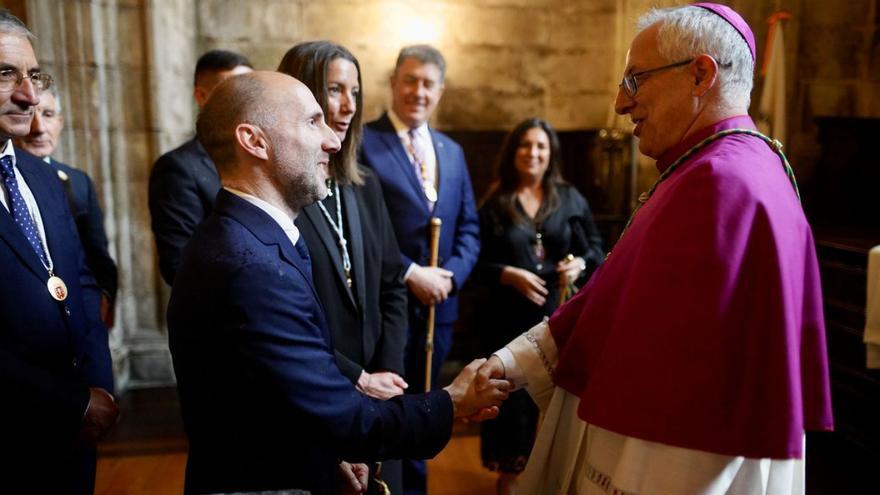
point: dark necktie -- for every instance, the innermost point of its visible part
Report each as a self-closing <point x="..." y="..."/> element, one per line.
<point x="20" y="213"/>
<point x="303" y="251"/>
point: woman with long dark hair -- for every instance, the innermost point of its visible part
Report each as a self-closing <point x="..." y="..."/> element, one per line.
<point x="355" y="258"/>
<point x="538" y="242"/>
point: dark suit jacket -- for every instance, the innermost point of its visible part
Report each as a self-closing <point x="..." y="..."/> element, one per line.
<point x="405" y="198"/>
<point x="89" y="220"/>
<point x="264" y="404"/>
<point x="50" y="352"/>
<point x="183" y="185"/>
<point x="368" y="323"/>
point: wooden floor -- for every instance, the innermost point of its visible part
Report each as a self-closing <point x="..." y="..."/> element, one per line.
<point x="146" y="453"/>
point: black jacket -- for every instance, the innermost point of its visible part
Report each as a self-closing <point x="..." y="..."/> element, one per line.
<point x="367" y="322"/>
<point x="183" y="185"/>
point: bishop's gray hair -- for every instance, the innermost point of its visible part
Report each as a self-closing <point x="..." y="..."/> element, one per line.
<point x="686" y="32"/>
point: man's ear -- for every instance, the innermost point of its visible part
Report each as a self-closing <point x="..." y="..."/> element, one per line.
<point x="704" y="71"/>
<point x="200" y="95"/>
<point x="252" y="140"/>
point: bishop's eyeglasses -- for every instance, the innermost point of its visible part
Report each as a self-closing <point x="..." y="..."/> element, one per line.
<point x="630" y="82"/>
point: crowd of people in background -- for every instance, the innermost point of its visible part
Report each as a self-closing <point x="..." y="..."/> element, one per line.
<point x="297" y="242"/>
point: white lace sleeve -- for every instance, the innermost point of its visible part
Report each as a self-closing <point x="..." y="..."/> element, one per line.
<point x="534" y="355"/>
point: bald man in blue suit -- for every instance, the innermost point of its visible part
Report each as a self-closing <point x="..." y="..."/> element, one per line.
<point x="264" y="403"/>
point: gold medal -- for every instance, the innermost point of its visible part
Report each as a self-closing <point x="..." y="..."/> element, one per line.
<point x="430" y="192"/>
<point x="56" y="287"/>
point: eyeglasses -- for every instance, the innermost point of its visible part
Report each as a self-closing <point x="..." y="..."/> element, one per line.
<point x="630" y="82"/>
<point x="11" y="79"/>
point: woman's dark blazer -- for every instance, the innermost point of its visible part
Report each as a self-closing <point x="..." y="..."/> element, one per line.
<point x="368" y="322"/>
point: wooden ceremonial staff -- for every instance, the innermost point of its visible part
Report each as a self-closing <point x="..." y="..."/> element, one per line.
<point x="429" y="340"/>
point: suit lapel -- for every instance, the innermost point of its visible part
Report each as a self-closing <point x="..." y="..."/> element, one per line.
<point x="392" y="141"/>
<point x="316" y="218"/>
<point x="355" y="229"/>
<point x="265" y="229"/>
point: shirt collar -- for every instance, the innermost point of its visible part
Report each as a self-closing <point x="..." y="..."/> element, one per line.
<point x="738" y="121"/>
<point x="281" y="218"/>
<point x="8" y="150"/>
<point x="403" y="130"/>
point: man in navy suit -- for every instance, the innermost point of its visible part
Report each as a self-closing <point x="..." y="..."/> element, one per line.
<point x="184" y="182"/>
<point x="264" y="403"/>
<point x="55" y="373"/>
<point x="424" y="175"/>
<point x="81" y="197"/>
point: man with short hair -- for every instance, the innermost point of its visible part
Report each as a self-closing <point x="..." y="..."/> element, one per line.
<point x="55" y="372"/>
<point x="184" y="182"/>
<point x="87" y="215"/>
<point x="694" y="359"/>
<point x="264" y="403"/>
<point x="424" y="174"/>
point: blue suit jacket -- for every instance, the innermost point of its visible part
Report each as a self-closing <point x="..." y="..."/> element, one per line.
<point x="460" y="233"/>
<point x="50" y="352"/>
<point x="89" y="220"/>
<point x="263" y="401"/>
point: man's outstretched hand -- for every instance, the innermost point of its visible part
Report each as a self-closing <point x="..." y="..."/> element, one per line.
<point x="473" y="404"/>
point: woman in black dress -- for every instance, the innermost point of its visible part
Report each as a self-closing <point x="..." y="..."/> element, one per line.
<point x="538" y="237"/>
<point x="356" y="264"/>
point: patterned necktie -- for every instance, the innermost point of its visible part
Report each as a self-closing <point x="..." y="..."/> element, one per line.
<point x="303" y="251"/>
<point x="418" y="152"/>
<point x="20" y="213"/>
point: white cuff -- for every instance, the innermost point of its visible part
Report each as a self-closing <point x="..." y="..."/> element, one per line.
<point x="409" y="270"/>
<point x="512" y="372"/>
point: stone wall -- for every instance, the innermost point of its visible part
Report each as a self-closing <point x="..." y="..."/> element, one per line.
<point x="507" y="59"/>
<point x="125" y="99"/>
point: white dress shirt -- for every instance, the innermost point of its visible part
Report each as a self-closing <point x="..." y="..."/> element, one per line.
<point x="281" y="218"/>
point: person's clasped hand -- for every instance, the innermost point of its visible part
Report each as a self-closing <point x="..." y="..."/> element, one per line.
<point x="570" y="268"/>
<point x="381" y="384"/>
<point x="530" y="285"/>
<point x="354" y="478"/>
<point x="431" y="285"/>
<point x="472" y="404"/>
<point x="101" y="414"/>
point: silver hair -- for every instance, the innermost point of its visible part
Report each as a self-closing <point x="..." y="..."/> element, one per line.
<point x="53" y="90"/>
<point x="9" y="24"/>
<point x="686" y="32"/>
<point x="425" y="54"/>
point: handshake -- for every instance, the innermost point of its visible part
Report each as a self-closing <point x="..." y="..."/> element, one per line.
<point x="479" y="389"/>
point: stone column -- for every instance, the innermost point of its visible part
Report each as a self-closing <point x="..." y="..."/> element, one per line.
<point x="116" y="63"/>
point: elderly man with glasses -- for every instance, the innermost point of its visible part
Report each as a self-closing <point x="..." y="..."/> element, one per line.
<point x="46" y="127"/>
<point x="55" y="373"/>
<point x="694" y="360"/>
